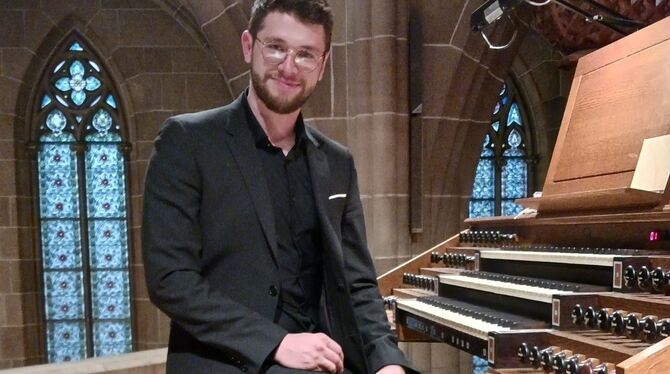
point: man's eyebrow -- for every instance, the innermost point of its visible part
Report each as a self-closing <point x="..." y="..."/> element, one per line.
<point x="278" y="40"/>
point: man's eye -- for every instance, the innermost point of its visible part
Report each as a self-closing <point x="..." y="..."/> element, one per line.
<point x="276" y="47"/>
<point x="306" y="55"/>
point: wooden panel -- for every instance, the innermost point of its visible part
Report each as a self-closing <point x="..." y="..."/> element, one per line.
<point x="616" y="108"/>
<point x="653" y="360"/>
<point x="393" y="278"/>
<point x="620" y="95"/>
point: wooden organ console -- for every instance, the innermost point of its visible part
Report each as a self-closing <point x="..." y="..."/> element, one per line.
<point x="582" y="284"/>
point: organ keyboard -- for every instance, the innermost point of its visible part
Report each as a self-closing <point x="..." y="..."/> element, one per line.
<point x="583" y="285"/>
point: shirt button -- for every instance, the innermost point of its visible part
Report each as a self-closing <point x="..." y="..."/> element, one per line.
<point x="273" y="290"/>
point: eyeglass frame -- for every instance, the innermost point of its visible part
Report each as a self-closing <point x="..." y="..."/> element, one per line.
<point x="295" y="52"/>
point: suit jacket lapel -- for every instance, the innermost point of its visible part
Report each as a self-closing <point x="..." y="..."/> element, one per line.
<point x="243" y="148"/>
<point x="319" y="171"/>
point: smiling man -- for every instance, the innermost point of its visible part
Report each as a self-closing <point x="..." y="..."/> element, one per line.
<point x="253" y="233"/>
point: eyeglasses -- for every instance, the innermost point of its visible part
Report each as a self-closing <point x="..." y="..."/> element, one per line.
<point x="275" y="53"/>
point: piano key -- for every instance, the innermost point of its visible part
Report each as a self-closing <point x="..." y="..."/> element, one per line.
<point x="554" y="257"/>
<point x="463" y="323"/>
<point x="540" y="294"/>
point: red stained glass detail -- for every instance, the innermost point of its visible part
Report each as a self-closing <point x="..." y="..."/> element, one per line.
<point x="105" y="182"/>
<point x="110" y="284"/>
<point x="57" y="158"/>
<point x="106" y="206"/>
<point x="66" y="335"/>
<point x="62" y="257"/>
<point x="61" y="234"/>
<point x="59" y="206"/>
<point x="112" y="334"/>
<point x="58" y="182"/>
<point x="65" y="308"/>
<point x="108" y="233"/>
<point x="108" y="257"/>
<point x="63" y="285"/>
<point x="103" y="157"/>
<point x="111" y="308"/>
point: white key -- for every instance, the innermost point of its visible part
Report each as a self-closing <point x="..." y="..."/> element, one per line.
<point x="466" y="324"/>
<point x="503" y="288"/>
<point x="553" y="257"/>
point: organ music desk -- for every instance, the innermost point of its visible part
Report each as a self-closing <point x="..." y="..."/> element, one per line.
<point x="583" y="284"/>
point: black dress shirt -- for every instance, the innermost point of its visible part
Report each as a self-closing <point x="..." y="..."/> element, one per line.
<point x="296" y="225"/>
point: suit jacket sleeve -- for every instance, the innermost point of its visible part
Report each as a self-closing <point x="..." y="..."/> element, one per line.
<point x="380" y="344"/>
<point x="171" y="246"/>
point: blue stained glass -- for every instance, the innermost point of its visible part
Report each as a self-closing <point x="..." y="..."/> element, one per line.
<point x="62" y="101"/>
<point x="76" y="47"/>
<point x="63" y="84"/>
<point x="484" y="180"/>
<point x="60" y="65"/>
<point x="78" y="97"/>
<point x="503" y="90"/>
<point x="484" y="208"/>
<point x="61" y="243"/>
<point x="102" y="121"/>
<point x="112" y="338"/>
<point x="479" y="365"/>
<point x="496" y="109"/>
<point x="60" y="215"/>
<point x="514" y="138"/>
<point x="92" y="84"/>
<point x="95" y="66"/>
<point x="58" y="201"/>
<point x="66" y="341"/>
<point x="111" y="102"/>
<point x="509" y="208"/>
<point x="110" y="294"/>
<point x="64" y="295"/>
<point x="504" y="100"/>
<point x="513" y="175"/>
<point x="514" y="116"/>
<point x="77" y="68"/>
<point x="46" y="100"/>
<point x="108" y="240"/>
<point x="56" y="121"/>
<point x="495" y="125"/>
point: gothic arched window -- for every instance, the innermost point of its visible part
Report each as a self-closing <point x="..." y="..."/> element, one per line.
<point x="502" y="173"/>
<point x="78" y="134"/>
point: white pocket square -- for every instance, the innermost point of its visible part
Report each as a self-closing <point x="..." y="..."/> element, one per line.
<point x="337" y="196"/>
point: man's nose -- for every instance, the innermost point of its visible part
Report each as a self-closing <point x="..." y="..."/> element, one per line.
<point x="288" y="66"/>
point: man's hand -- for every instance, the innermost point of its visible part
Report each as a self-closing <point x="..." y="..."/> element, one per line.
<point x="391" y="369"/>
<point x="316" y="352"/>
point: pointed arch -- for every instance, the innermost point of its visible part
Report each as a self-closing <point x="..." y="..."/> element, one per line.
<point x="77" y="127"/>
<point x="504" y="167"/>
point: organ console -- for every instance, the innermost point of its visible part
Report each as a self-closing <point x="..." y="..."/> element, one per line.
<point x="583" y="285"/>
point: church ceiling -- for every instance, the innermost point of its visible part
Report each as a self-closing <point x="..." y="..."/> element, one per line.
<point x="566" y="24"/>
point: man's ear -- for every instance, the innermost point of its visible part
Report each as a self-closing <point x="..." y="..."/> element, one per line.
<point x="247" y="45"/>
<point x="323" y="64"/>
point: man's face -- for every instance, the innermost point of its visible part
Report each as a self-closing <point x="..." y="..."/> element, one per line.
<point x="282" y="87"/>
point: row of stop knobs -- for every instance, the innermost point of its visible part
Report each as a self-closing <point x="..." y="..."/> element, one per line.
<point x="620" y="322"/>
<point x="427" y="282"/>
<point x="452" y="259"/>
<point x="486" y="237"/>
<point x="646" y="279"/>
<point x="562" y="361"/>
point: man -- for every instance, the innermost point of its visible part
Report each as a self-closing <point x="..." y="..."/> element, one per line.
<point x="253" y="233"/>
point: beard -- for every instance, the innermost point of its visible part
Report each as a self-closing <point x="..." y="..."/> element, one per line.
<point x="279" y="104"/>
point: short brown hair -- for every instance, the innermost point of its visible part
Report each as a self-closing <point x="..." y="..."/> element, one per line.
<point x="316" y="12"/>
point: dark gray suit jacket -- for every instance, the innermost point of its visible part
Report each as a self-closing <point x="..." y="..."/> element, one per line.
<point x="210" y="249"/>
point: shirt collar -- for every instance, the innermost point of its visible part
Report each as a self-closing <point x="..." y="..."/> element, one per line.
<point x="260" y="137"/>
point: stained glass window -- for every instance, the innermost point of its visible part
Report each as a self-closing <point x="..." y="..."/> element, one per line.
<point x="502" y="173"/>
<point x="83" y="210"/>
